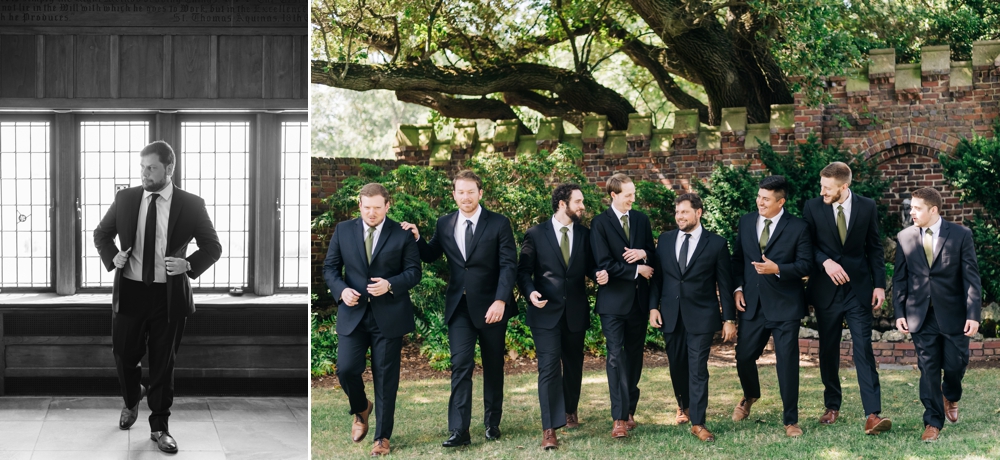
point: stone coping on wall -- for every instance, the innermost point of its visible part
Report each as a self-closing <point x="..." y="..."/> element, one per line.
<point x="900" y="352"/>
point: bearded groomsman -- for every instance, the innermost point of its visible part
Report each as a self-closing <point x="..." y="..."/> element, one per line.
<point x="937" y="297"/>
<point x="691" y="264"/>
<point x="847" y="282"/>
<point x="551" y="272"/>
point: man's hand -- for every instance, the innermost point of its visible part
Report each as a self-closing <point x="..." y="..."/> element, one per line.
<point x="495" y="313"/>
<point x="175" y="265"/>
<point x="971" y="327"/>
<point x="602" y="277"/>
<point x="632" y="255"/>
<point x="767" y="267"/>
<point x="121" y="258"/>
<point x="350" y="297"/>
<point x="646" y="271"/>
<point x="878" y="296"/>
<point x="536" y="299"/>
<point x="655" y="319"/>
<point x="412" y="228"/>
<point x="741" y="303"/>
<point x="728" y="332"/>
<point x="378" y="287"/>
<point x="838" y="275"/>
<point x="901" y="325"/>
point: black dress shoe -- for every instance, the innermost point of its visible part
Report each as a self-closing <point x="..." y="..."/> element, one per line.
<point x="129" y="415"/>
<point x="164" y="441"/>
<point x="458" y="438"/>
<point x="492" y="433"/>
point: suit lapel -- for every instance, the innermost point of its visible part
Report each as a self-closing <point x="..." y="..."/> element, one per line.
<point x="918" y="245"/>
<point x="945" y="231"/>
<point x="618" y="225"/>
<point x="854" y="215"/>
<point x="750" y="235"/>
<point x="176" y="209"/>
<point x="576" y="247"/>
<point x="359" y="235"/>
<point x="134" y="200"/>
<point x="549" y="230"/>
<point x="383" y="236"/>
<point x="831" y="222"/>
<point x="777" y="231"/>
<point x="477" y="232"/>
<point x="693" y="255"/>
<point x="671" y="243"/>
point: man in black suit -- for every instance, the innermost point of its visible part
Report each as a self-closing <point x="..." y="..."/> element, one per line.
<point x="849" y="269"/>
<point x="370" y="268"/>
<point x="937" y="297"/>
<point x="555" y="259"/>
<point x="622" y="241"/>
<point x="691" y="263"/>
<point x="151" y="298"/>
<point x="771" y="254"/>
<point x="482" y="267"/>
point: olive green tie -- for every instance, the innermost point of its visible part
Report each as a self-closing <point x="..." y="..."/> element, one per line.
<point x="564" y="244"/>
<point x="625" y="225"/>
<point x="765" y="235"/>
<point x="929" y="246"/>
<point x="368" y="243"/>
<point x="841" y="224"/>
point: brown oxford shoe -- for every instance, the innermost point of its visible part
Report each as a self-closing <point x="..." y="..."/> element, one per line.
<point x="572" y="421"/>
<point x="930" y="434"/>
<point x="742" y="410"/>
<point x="829" y="417"/>
<point x="876" y="425"/>
<point x="950" y="410"/>
<point x="381" y="447"/>
<point x="619" y="431"/>
<point x="702" y="433"/>
<point x="682" y="416"/>
<point x="360" y="427"/>
<point x="793" y="430"/>
<point x="549" y="440"/>
<point x="630" y="424"/>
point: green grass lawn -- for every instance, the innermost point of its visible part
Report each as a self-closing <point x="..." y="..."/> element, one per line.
<point x="421" y="421"/>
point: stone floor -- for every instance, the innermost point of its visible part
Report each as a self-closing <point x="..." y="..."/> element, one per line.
<point x="205" y="429"/>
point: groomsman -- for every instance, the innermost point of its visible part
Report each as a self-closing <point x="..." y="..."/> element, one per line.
<point x="849" y="270"/>
<point x="370" y="267"/>
<point x="482" y="269"/>
<point x="555" y="259"/>
<point x="622" y="241"/>
<point x="691" y="263"/>
<point x="938" y="299"/>
<point x="771" y="254"/>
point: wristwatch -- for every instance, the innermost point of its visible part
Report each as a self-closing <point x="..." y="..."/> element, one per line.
<point x="730" y="321"/>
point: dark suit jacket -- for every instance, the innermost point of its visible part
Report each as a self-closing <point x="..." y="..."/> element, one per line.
<point x="860" y="254"/>
<point x="489" y="275"/>
<point x="952" y="283"/>
<point x="607" y="238"/>
<point x="188" y="220"/>
<point x="541" y="268"/>
<point x="709" y="266"/>
<point x="395" y="259"/>
<point x="782" y="298"/>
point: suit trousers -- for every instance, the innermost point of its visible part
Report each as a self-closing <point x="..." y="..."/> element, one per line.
<point x="385" y="352"/>
<point x="936" y="352"/>
<point x="688" y="360"/>
<point x="859" y="317"/>
<point x="625" y="337"/>
<point x="753" y="336"/>
<point x="560" y="371"/>
<point x="462" y="336"/>
<point x="149" y="327"/>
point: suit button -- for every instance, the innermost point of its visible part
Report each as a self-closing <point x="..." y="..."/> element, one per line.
<point x="682" y="281"/>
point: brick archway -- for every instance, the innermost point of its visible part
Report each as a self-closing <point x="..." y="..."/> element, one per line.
<point x="913" y="166"/>
<point x="880" y="142"/>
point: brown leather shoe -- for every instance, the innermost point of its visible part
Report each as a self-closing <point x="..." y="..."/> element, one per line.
<point x="630" y="424"/>
<point x="950" y="410"/>
<point x="876" y="425"/>
<point x="702" y="433"/>
<point x="360" y="427"/>
<point x="619" y="430"/>
<point x="549" y="440"/>
<point x="930" y="434"/>
<point x="793" y="430"/>
<point x="572" y="421"/>
<point x="742" y="410"/>
<point x="682" y="416"/>
<point x="381" y="447"/>
<point x="829" y="416"/>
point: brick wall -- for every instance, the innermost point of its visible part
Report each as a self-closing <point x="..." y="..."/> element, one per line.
<point x="901" y="352"/>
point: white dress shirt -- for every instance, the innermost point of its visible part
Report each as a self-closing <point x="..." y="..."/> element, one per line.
<point x="847" y="208"/>
<point x="620" y="214"/>
<point x="133" y="269"/>
<point x="692" y="243"/>
<point x="378" y="231"/>
<point x="557" y="226"/>
<point x="460" y="229"/>
<point x="936" y="232"/>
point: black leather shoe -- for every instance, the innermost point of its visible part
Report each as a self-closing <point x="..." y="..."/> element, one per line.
<point x="164" y="441"/>
<point x="492" y="433"/>
<point x="130" y="415"/>
<point x="458" y="438"/>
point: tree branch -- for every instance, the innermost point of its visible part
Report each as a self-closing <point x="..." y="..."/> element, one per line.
<point x="550" y="107"/>
<point x="451" y="107"/>
<point x="643" y="55"/>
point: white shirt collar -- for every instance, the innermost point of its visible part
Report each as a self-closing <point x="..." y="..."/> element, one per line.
<point x="846" y="204"/>
<point x="474" y="218"/>
<point x="558" y="225"/>
<point x="378" y="228"/>
<point x="165" y="194"/>
<point x="695" y="234"/>
<point x="774" y="220"/>
<point x="618" y="214"/>
<point x="936" y="228"/>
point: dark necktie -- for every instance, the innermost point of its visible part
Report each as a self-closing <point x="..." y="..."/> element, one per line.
<point x="684" y="253"/>
<point x="149" y="243"/>
<point x="625" y="225"/>
<point x="468" y="239"/>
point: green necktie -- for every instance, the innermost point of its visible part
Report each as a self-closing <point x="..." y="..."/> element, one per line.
<point x="564" y="244"/>
<point x="625" y="225"/>
<point x="929" y="246"/>
<point x="368" y="243"/>
<point x="841" y="224"/>
<point x="765" y="235"/>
